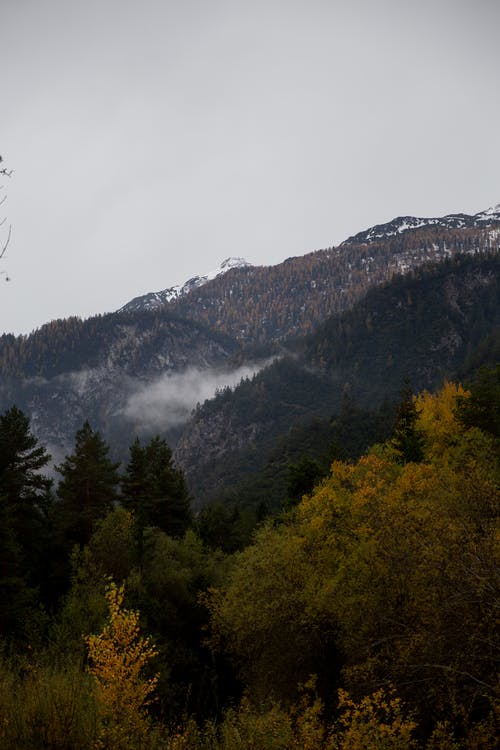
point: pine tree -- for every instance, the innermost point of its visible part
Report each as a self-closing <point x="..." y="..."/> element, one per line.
<point x="155" y="489"/>
<point x="407" y="439"/>
<point x="482" y="408"/>
<point x="88" y="487"/>
<point x="24" y="494"/>
<point x="21" y="459"/>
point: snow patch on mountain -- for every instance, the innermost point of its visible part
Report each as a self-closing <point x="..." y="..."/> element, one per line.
<point x="494" y="212"/>
<point x="410" y="223"/>
<point x="153" y="300"/>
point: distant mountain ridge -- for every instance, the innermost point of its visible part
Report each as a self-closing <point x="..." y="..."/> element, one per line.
<point x="72" y="370"/>
<point x="264" y="305"/>
<point x="490" y="216"/>
<point x="402" y="224"/>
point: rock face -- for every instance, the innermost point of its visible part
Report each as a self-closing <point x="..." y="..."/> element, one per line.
<point x="130" y="355"/>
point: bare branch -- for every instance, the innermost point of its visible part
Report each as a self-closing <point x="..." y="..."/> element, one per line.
<point x="4" y="248"/>
<point x="4" y="170"/>
<point x="4" y="173"/>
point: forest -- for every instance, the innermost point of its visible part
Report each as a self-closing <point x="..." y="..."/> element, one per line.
<point x="364" y="613"/>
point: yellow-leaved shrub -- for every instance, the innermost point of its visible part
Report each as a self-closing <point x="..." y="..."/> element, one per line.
<point x="118" y="657"/>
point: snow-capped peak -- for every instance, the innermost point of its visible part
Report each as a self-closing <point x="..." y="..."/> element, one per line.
<point x="157" y="299"/>
<point x="407" y="223"/>
<point x="225" y="266"/>
<point x="486" y="215"/>
<point x="234" y="263"/>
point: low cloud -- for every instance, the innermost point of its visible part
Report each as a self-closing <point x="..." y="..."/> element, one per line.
<point x="169" y="401"/>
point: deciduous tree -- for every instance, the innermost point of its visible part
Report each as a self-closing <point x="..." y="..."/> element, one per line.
<point x="118" y="657"/>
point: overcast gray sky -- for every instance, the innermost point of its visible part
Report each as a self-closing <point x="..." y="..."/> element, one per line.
<point x="150" y="140"/>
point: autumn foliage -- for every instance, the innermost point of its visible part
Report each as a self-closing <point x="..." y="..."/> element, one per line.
<point x="365" y="616"/>
<point x="118" y="657"/>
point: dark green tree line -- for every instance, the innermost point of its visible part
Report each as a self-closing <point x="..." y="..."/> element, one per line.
<point x="25" y="496"/>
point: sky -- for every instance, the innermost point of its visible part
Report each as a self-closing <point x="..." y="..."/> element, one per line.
<point x="151" y="140"/>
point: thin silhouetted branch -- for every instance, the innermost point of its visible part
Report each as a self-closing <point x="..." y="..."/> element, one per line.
<point x="5" y="173"/>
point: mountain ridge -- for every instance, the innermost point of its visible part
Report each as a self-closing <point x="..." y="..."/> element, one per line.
<point x="407" y="223"/>
<point x="394" y="227"/>
<point x="153" y="300"/>
<point x="107" y="368"/>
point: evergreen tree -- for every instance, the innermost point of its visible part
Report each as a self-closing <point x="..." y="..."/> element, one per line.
<point x="482" y="408"/>
<point x="16" y="595"/>
<point x="24" y="494"/>
<point x="302" y="477"/>
<point x="88" y="487"/>
<point x="155" y="490"/>
<point x="222" y="527"/>
<point x="21" y="459"/>
<point x="407" y="439"/>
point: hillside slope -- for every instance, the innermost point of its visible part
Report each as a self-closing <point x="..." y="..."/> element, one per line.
<point x="422" y="328"/>
<point x="142" y="370"/>
<point x="263" y="305"/>
<point x="72" y="370"/>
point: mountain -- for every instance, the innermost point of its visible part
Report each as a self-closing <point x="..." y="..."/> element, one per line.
<point x="140" y="370"/>
<point x="403" y="224"/>
<point x="101" y="369"/>
<point x="265" y="306"/>
<point x="262" y="307"/>
<point x="421" y="327"/>
<point x="154" y="300"/>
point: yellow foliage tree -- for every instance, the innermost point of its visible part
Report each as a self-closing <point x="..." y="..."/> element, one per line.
<point x="389" y="571"/>
<point x="118" y="656"/>
<point x="437" y="417"/>
<point x="376" y="722"/>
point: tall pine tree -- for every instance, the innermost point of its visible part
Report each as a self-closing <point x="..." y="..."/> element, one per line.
<point x="24" y="497"/>
<point x="407" y="440"/>
<point x="88" y="487"/>
<point x="155" y="489"/>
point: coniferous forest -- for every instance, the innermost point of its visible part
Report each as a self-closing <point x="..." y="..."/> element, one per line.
<point x="362" y="614"/>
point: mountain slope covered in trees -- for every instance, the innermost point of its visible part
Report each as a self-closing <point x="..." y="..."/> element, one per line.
<point x="259" y="306"/>
<point x="422" y="328"/>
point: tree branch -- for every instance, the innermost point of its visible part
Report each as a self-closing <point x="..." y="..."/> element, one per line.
<point x="4" y="248"/>
<point x="5" y="173"/>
